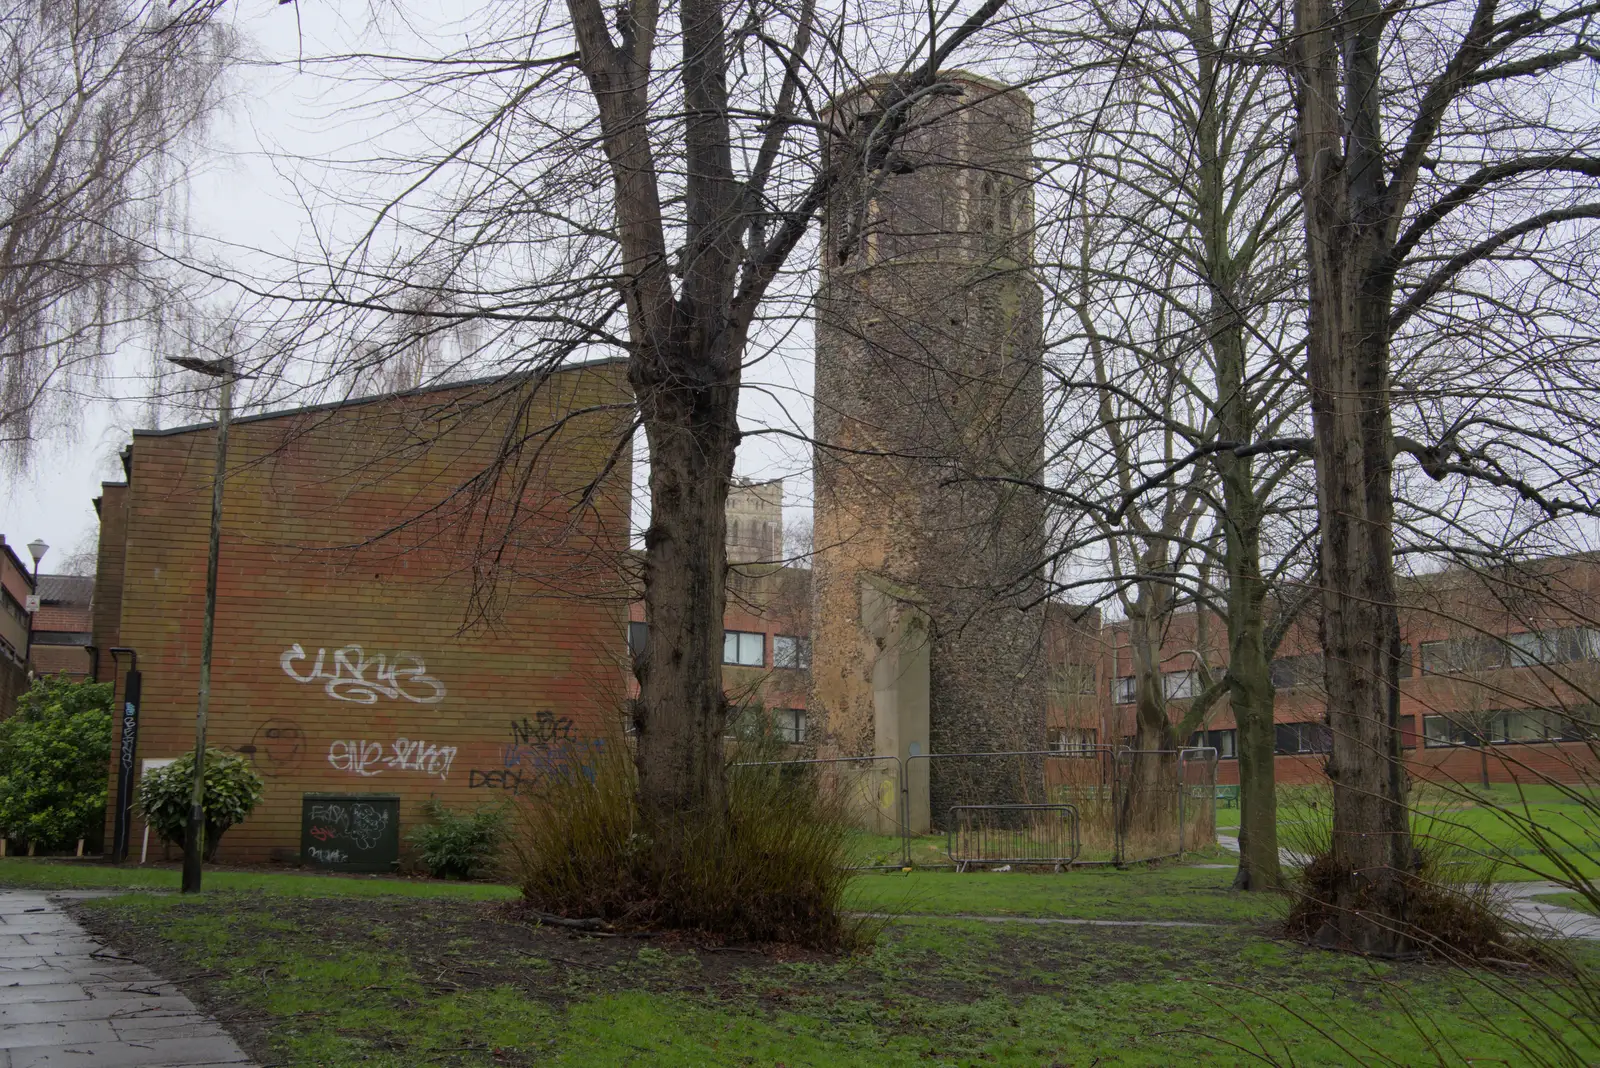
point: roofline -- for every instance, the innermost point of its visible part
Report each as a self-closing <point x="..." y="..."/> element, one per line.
<point x="354" y="402"/>
<point x="15" y="559"/>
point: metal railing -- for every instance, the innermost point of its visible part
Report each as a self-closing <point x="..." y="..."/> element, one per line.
<point x="1013" y="834"/>
<point x="1094" y="783"/>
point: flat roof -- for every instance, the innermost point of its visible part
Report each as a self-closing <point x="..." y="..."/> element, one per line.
<point x="351" y="402"/>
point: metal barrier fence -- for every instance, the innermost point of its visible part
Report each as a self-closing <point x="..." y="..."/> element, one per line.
<point x="1013" y="834"/>
<point x="1127" y="806"/>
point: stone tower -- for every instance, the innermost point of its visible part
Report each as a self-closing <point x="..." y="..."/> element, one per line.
<point x="929" y="398"/>
<point x="755" y="521"/>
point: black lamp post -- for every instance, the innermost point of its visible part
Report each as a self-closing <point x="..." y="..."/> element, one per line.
<point x="193" y="844"/>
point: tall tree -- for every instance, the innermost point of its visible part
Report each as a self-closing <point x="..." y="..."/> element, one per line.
<point x="1433" y="143"/>
<point x="632" y="180"/>
<point x="1181" y="275"/>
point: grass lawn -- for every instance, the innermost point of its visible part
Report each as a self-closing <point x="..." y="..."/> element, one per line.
<point x="317" y="970"/>
<point x="89" y="875"/>
<point x="1158" y="893"/>
<point x="1468" y="822"/>
<point x="304" y="981"/>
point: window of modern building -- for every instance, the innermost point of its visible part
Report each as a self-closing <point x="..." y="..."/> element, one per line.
<point x="1074" y="741"/>
<point x="1505" y="726"/>
<point x="745" y="648"/>
<point x="1290" y="672"/>
<point x="638" y="634"/>
<point x="1308" y="737"/>
<point x="790" y="725"/>
<point x="1562" y="645"/>
<point x="1180" y="685"/>
<point x="791" y="652"/>
<point x="1225" y="742"/>
<point x="1068" y="679"/>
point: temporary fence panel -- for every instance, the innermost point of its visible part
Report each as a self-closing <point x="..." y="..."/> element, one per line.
<point x="1012" y="834"/>
<point x="1150" y="804"/>
<point x="1128" y="806"/>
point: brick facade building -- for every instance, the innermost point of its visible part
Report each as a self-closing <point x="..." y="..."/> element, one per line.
<point x="1498" y="679"/>
<point x="16" y="586"/>
<point x="419" y="594"/>
<point x="63" y="639"/>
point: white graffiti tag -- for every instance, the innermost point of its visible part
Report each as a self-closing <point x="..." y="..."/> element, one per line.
<point x="363" y="679"/>
<point x="362" y="757"/>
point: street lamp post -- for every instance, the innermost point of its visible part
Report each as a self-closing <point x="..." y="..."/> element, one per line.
<point x="36" y="549"/>
<point x="193" y="841"/>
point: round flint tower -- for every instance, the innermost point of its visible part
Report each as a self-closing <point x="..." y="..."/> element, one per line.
<point x="929" y="408"/>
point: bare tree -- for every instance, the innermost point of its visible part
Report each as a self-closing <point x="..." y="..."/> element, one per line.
<point x="1180" y="273"/>
<point x="101" y="102"/>
<point x="1435" y="144"/>
<point x="631" y="181"/>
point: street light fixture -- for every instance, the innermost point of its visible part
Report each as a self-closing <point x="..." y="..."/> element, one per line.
<point x="36" y="549"/>
<point x="223" y="370"/>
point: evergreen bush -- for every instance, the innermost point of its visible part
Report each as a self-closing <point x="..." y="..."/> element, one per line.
<point x="232" y="789"/>
<point x="459" y="845"/>
<point x="54" y="755"/>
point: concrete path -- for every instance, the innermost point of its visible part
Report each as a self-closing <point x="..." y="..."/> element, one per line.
<point x="1542" y="918"/>
<point x="67" y="1001"/>
<point x="1287" y="857"/>
<point x="1546" y="919"/>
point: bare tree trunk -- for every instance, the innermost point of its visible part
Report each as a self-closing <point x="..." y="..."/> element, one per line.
<point x="1249" y="677"/>
<point x="1340" y="159"/>
<point x="692" y="439"/>
<point x="1155" y="742"/>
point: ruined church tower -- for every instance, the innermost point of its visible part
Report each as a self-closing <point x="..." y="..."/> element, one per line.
<point x="929" y="399"/>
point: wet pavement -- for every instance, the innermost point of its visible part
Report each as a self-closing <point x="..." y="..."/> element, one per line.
<point x="68" y="1001"/>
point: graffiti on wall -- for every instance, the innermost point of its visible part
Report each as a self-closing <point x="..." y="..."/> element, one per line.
<point x="275" y="748"/>
<point x="359" y="824"/>
<point x="355" y="676"/>
<point x="359" y="756"/>
<point x="328" y="856"/>
<point x="541" y="750"/>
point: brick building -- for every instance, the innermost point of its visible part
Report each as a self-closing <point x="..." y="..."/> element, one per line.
<point x="1497" y="679"/>
<point x="16" y="586"/>
<point x="63" y="627"/>
<point x="419" y="594"/>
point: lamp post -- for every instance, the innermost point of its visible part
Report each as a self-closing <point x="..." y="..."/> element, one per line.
<point x="36" y="549"/>
<point x="193" y="845"/>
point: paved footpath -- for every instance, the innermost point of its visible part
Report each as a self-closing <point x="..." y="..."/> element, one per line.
<point x="68" y="1001"/>
<point x="1541" y="918"/>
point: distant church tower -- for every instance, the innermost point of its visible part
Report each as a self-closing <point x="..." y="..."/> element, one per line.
<point x="929" y="396"/>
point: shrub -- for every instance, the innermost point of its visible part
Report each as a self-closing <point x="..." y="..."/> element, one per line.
<point x="232" y="789"/>
<point x="459" y="845"/>
<point x="1451" y="908"/>
<point x="769" y="868"/>
<point x="54" y="754"/>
